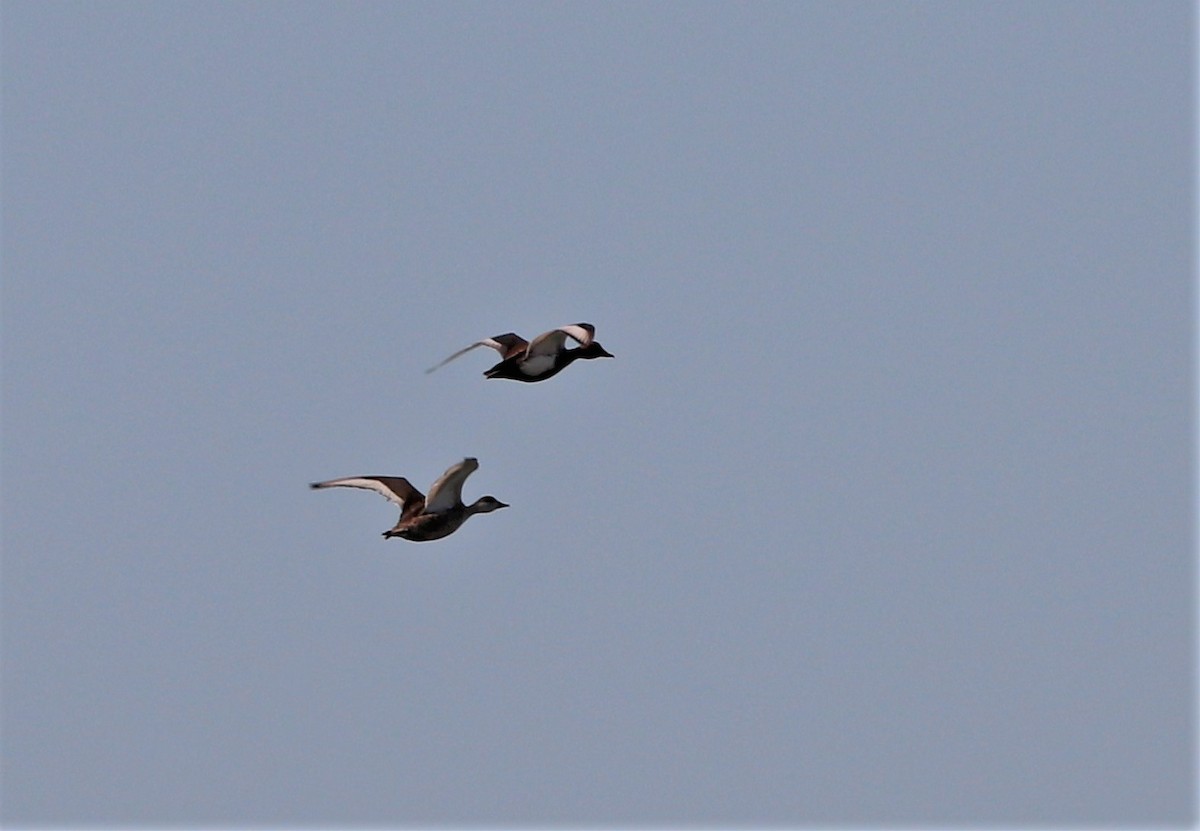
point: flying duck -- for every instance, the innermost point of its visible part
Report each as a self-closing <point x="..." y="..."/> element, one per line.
<point x="539" y="359"/>
<point x="423" y="519"/>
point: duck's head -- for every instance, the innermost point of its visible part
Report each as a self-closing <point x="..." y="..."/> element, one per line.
<point x="487" y="504"/>
<point x="593" y="350"/>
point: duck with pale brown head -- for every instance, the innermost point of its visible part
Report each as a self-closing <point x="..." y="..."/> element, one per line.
<point x="423" y="519"/>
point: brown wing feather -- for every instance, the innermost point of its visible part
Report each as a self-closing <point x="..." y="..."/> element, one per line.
<point x="395" y="489"/>
<point x="507" y="345"/>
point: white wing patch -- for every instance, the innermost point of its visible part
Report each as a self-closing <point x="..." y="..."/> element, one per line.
<point x="494" y="344"/>
<point x="367" y="484"/>
<point x="446" y="492"/>
<point x="579" y="333"/>
<point x="549" y="343"/>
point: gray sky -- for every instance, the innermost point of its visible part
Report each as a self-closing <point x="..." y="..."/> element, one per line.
<point x="881" y="514"/>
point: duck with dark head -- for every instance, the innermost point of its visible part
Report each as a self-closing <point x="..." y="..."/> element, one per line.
<point x="543" y="357"/>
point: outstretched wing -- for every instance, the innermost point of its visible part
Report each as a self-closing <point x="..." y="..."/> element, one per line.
<point x="507" y="345"/>
<point x="549" y="343"/>
<point x="446" y="492"/>
<point x="393" y="488"/>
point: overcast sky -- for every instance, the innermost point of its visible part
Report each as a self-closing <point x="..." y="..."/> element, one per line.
<point x="881" y="514"/>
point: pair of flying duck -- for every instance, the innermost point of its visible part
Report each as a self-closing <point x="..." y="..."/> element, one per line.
<point x="443" y="512"/>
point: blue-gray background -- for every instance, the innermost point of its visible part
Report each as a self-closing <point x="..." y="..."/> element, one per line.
<point x="881" y="514"/>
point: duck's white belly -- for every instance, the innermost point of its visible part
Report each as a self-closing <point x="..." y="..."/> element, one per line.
<point x="537" y="364"/>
